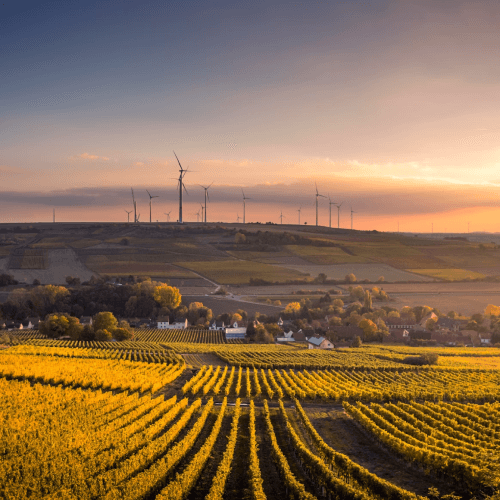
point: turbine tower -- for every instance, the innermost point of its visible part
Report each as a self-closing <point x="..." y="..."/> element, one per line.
<point x="128" y="215"/>
<point x="331" y="203"/>
<point x="168" y="215"/>
<point x="352" y="212"/>
<point x="299" y="214"/>
<point x="181" y="185"/>
<point x="135" y="206"/>
<point x="317" y="196"/>
<point x="206" y="198"/>
<point x="338" y="215"/>
<point x="150" y="198"/>
<point x="244" y="198"/>
<point x="281" y="217"/>
<point x="201" y="205"/>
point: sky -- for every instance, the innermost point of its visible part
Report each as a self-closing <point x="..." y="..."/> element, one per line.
<point x="388" y="107"/>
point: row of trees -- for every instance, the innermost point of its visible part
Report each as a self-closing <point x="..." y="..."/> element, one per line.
<point x="104" y="327"/>
<point x="144" y="299"/>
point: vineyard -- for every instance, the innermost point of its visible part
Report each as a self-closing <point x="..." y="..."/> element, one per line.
<point x="151" y="419"/>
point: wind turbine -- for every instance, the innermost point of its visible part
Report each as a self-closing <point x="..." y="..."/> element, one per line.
<point x="338" y="215"/>
<point x="181" y="185"/>
<point x="128" y="215"/>
<point x="352" y="212"/>
<point x="201" y="205"/>
<point x="299" y="214"/>
<point x="197" y="216"/>
<point x="206" y="197"/>
<point x="150" y="198"/>
<point x="317" y="196"/>
<point x="244" y="198"/>
<point x="281" y="217"/>
<point x="331" y="203"/>
<point x="238" y="218"/>
<point x="135" y="206"/>
<point x="168" y="215"/>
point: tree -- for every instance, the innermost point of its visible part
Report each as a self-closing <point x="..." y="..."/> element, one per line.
<point x="262" y="336"/>
<point x="393" y="314"/>
<point x="103" y="335"/>
<point x="335" y="321"/>
<point x="277" y="302"/>
<point x="104" y="321"/>
<point x="240" y="238"/>
<point x="430" y="324"/>
<point x="167" y="296"/>
<point x="490" y="310"/>
<point x="369" y="329"/>
<point x="122" y="334"/>
<point x="58" y="325"/>
<point x="356" y="342"/>
<point x="292" y="308"/>
<point x="356" y="292"/>
<point x="368" y="301"/>
<point x="350" y="278"/>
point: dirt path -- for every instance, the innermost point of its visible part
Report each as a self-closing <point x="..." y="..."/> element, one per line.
<point x="342" y="434"/>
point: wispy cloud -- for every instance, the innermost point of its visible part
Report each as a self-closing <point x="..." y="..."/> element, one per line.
<point x="87" y="156"/>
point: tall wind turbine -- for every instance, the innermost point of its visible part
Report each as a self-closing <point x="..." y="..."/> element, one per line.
<point x="197" y="216"/>
<point x="181" y="185"/>
<point x="352" y="212"/>
<point x="206" y="197"/>
<point x="338" y="215"/>
<point x="299" y="214"/>
<point x="281" y="217"/>
<point x="201" y="205"/>
<point x="238" y="218"/>
<point x="128" y="215"/>
<point x="135" y="206"/>
<point x="150" y="198"/>
<point x="168" y="215"/>
<point x="331" y="203"/>
<point x="317" y="196"/>
<point x="244" y="198"/>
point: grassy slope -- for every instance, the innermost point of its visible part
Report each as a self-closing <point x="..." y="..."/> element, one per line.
<point x="151" y="250"/>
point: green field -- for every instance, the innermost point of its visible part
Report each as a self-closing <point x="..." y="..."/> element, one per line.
<point x="448" y="274"/>
<point x="236" y="272"/>
<point x="326" y="255"/>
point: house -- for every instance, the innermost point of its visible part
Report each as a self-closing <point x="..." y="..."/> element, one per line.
<point x="299" y="336"/>
<point x="86" y="320"/>
<point x="33" y="322"/>
<point x="426" y="318"/>
<point x="485" y="338"/>
<point x="178" y="324"/>
<point x="398" y="335"/>
<point x="235" y="331"/>
<point x="217" y="325"/>
<point x="449" y="323"/>
<point x="400" y="324"/>
<point x="319" y="343"/>
<point x="163" y="322"/>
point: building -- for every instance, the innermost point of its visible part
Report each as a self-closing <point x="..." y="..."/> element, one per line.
<point x="319" y="343"/>
<point x="217" y="326"/>
<point x="178" y="324"/>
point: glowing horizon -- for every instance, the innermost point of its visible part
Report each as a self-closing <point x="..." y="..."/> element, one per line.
<point x="390" y="106"/>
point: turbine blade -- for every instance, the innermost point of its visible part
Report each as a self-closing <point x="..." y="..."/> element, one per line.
<point x="148" y="193"/>
<point x="178" y="161"/>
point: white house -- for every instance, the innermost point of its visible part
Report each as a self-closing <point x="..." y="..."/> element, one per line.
<point x="217" y="326"/>
<point x="164" y="324"/>
<point x="235" y="331"/>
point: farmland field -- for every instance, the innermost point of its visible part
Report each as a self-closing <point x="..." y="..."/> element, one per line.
<point x="448" y="274"/>
<point x="361" y="271"/>
<point x="158" y="425"/>
<point x="239" y="272"/>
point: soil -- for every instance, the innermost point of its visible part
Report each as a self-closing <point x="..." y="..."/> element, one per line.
<point x="341" y="433"/>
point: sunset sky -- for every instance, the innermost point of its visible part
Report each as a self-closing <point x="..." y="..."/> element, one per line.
<point x="391" y="107"/>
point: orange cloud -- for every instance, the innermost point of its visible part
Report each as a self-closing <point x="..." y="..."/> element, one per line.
<point x="87" y="156"/>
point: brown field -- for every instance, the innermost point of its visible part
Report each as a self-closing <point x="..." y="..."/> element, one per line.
<point x="361" y="271"/>
<point x="326" y="255"/>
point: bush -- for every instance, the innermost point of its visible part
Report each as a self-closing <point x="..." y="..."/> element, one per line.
<point x="428" y="358"/>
